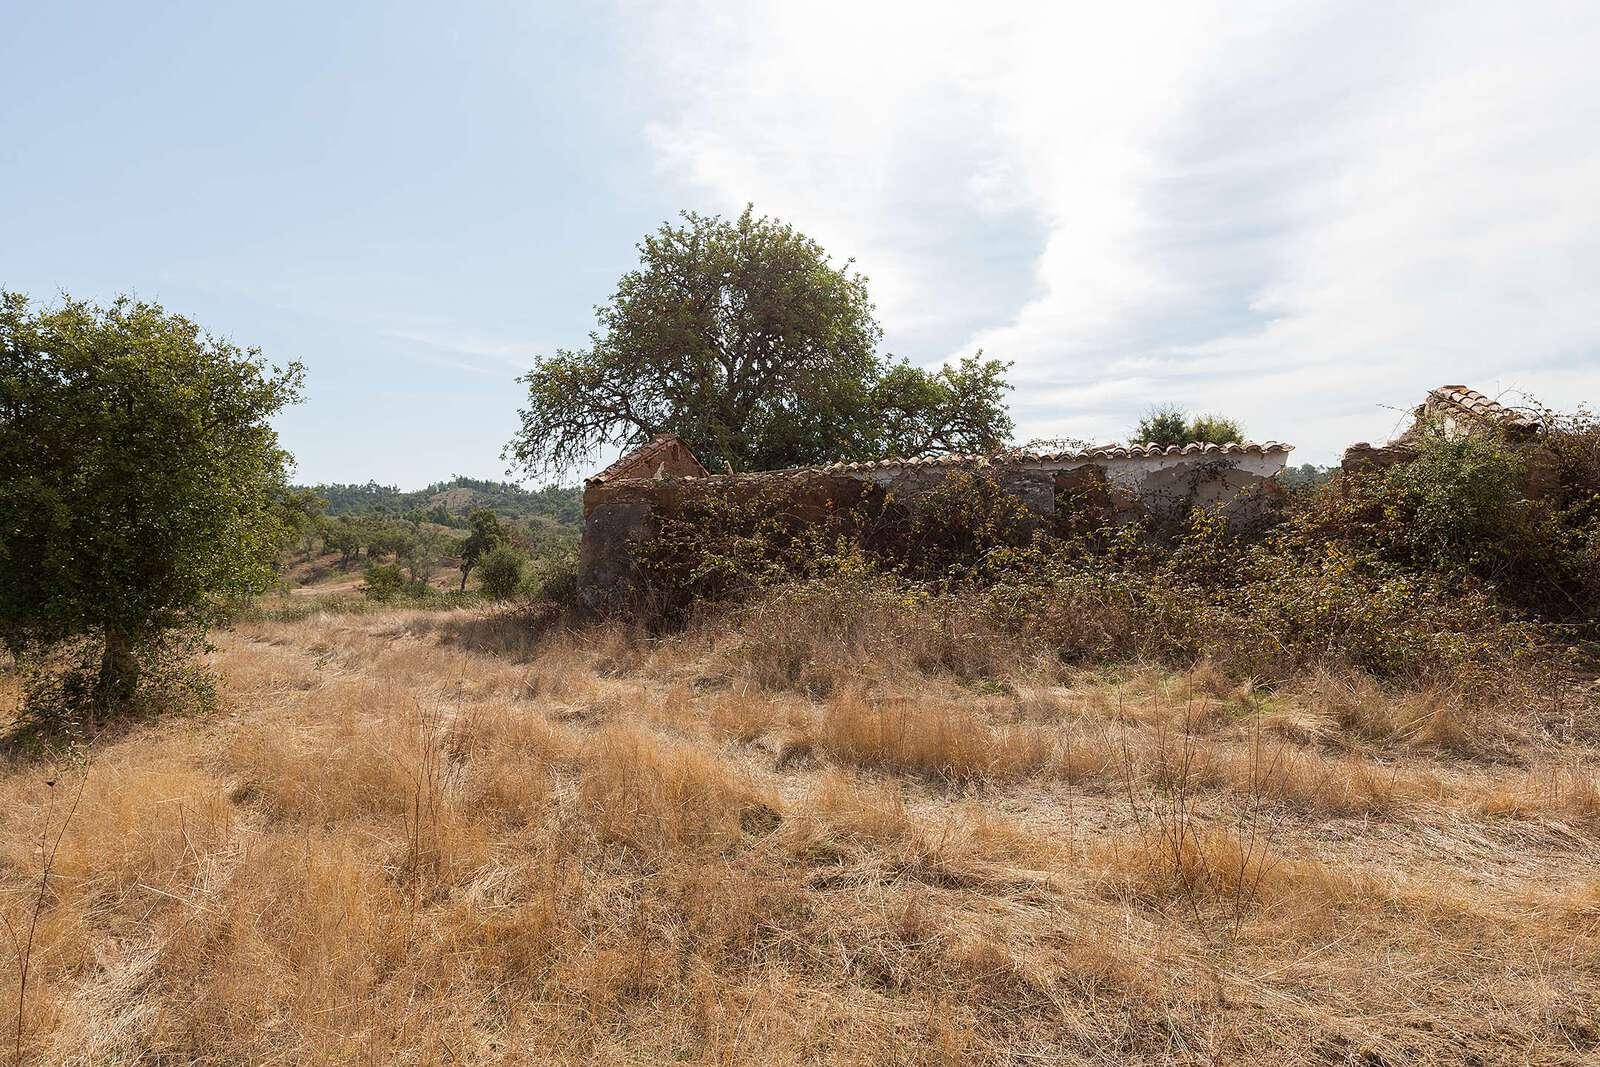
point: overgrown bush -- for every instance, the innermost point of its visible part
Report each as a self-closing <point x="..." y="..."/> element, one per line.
<point x="947" y="533"/>
<point x="1451" y="569"/>
<point x="721" y="547"/>
<point x="725" y="547"/>
<point x="1520" y="525"/>
<point x="383" y="581"/>
<point x="501" y="570"/>
<point x="555" y="579"/>
<point x="1260" y="608"/>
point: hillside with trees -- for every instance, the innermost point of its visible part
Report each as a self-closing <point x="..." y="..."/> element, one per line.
<point x="449" y="502"/>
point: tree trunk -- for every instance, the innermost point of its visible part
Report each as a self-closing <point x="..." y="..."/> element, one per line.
<point x="465" y="570"/>
<point x="119" y="671"/>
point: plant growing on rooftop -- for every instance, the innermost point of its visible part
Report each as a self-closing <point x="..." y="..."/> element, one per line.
<point x="1168" y="425"/>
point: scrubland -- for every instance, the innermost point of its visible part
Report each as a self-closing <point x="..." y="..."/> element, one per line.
<point x="474" y="836"/>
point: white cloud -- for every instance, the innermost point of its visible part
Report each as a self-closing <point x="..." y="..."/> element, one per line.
<point x="1296" y="214"/>
<point x="469" y="349"/>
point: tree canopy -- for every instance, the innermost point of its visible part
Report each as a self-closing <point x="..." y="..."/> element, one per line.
<point x="142" y="488"/>
<point x="1170" y="425"/>
<point x="486" y="535"/>
<point x="744" y="339"/>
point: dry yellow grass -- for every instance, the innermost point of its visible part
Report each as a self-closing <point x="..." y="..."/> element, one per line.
<point x="447" y="839"/>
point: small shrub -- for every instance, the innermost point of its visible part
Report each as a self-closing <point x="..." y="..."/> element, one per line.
<point x="383" y="581"/>
<point x="501" y="570"/>
<point x="554" y="579"/>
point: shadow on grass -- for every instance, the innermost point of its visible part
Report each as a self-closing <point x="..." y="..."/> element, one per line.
<point x="52" y="716"/>
<point x="514" y="632"/>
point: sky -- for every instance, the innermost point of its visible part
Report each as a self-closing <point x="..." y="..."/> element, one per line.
<point x="1302" y="215"/>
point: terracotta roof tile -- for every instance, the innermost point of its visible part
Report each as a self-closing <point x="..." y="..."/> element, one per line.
<point x="1476" y="404"/>
<point x="1099" y="452"/>
<point x="642" y="461"/>
<point x="626" y="467"/>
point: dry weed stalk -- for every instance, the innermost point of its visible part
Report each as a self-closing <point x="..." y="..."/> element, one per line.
<point x="1182" y="855"/>
<point x="47" y="849"/>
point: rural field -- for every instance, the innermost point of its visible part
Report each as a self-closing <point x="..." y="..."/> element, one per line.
<point x="805" y="830"/>
<point x="1026" y="535"/>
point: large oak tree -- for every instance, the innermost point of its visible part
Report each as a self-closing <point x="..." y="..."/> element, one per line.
<point x="141" y="484"/>
<point x="745" y="340"/>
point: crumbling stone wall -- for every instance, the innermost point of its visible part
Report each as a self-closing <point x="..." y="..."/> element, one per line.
<point x="1121" y="485"/>
<point x="1455" y="411"/>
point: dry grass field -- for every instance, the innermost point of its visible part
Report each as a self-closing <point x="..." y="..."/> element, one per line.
<point x="446" y="838"/>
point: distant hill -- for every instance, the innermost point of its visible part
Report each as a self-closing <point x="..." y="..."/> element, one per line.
<point x="554" y="505"/>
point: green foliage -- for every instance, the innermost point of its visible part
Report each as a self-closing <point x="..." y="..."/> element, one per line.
<point x="912" y="412"/>
<point x="383" y="581"/>
<point x="141" y="482"/>
<point x="501" y="571"/>
<point x="1261" y="608"/>
<point x="1460" y="503"/>
<point x="745" y="340"/>
<point x="344" y="537"/>
<point x="1169" y="425"/>
<point x="303" y="510"/>
<point x="554" y="505"/>
<point x="1163" y="426"/>
<point x="720" y="546"/>
<point x="1462" y="509"/>
<point x="555" y="579"/>
<point x="950" y="532"/>
<point x="724" y="546"/>
<point x="1448" y="569"/>
<point x="485" y="533"/>
<point x="1306" y="476"/>
<point x="1215" y="430"/>
<point x="422" y="551"/>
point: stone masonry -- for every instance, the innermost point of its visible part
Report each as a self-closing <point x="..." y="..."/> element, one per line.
<point x="623" y="503"/>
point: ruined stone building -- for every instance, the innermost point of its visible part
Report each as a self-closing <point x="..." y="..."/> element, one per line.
<point x="623" y="504"/>
<point x="1455" y="410"/>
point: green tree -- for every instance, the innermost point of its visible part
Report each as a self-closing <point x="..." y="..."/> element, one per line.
<point x="1215" y="430"/>
<point x="141" y="482"/>
<point x="392" y="538"/>
<point x="342" y="537"/>
<point x="745" y="340"/>
<point x="383" y="581"/>
<point x="1168" y="425"/>
<point x="303" y="511"/>
<point x="484" y="534"/>
<point x="421" y="554"/>
<point x="913" y="412"/>
<point x="501" y="570"/>
<point x="1165" y="425"/>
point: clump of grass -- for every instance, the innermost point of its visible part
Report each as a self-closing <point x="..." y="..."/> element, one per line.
<point x="939" y="739"/>
<point x="821" y="636"/>
<point x="660" y="797"/>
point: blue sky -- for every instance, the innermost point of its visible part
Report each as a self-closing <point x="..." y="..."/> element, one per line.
<point x="1301" y="214"/>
